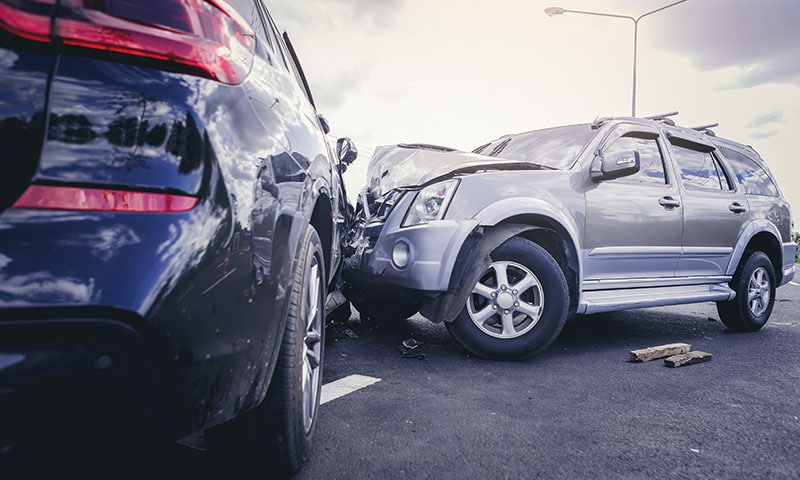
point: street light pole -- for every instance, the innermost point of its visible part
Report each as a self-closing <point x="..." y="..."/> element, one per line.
<point x="552" y="11"/>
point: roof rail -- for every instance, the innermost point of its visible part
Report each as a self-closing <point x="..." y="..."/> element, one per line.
<point x="664" y="118"/>
<point x="706" y="129"/>
<point x="661" y="116"/>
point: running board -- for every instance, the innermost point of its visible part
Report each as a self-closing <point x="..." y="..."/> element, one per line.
<point x="611" y="300"/>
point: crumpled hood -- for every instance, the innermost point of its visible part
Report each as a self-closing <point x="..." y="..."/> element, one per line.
<point x="408" y="166"/>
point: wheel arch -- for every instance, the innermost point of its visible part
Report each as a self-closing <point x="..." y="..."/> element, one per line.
<point x="322" y="221"/>
<point x="473" y="259"/>
<point x="553" y="237"/>
<point x="762" y="236"/>
<point x="767" y="243"/>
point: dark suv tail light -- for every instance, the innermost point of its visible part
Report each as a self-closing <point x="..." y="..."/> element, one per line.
<point x="57" y="197"/>
<point x="201" y="37"/>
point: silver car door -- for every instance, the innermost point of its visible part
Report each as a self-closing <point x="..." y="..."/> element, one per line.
<point x="715" y="210"/>
<point x="633" y="223"/>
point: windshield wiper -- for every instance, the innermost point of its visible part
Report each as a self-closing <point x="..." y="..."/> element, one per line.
<point x="499" y="147"/>
<point x="481" y="148"/>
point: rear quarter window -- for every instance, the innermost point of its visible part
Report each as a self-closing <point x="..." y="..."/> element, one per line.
<point x="751" y="176"/>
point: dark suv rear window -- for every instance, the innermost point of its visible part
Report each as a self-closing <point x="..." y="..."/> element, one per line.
<point x="750" y="175"/>
<point x="553" y="147"/>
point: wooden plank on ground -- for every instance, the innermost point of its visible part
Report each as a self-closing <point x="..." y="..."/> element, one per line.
<point x="687" y="359"/>
<point x="661" y="351"/>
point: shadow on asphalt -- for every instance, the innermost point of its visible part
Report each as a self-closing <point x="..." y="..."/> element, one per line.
<point x="361" y="346"/>
<point x="581" y="334"/>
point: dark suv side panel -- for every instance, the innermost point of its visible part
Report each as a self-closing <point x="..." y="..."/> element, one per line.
<point x="197" y="295"/>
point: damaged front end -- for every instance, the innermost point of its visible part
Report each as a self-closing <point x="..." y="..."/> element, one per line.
<point x="403" y="250"/>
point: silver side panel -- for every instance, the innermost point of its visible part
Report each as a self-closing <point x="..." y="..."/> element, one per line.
<point x="789" y="251"/>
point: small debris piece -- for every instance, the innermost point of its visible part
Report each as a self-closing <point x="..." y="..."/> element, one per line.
<point x="661" y="351"/>
<point x="408" y="354"/>
<point x="411" y="343"/>
<point x="350" y="333"/>
<point x="687" y="359"/>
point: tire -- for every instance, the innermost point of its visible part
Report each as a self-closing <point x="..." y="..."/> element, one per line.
<point x="754" y="284"/>
<point x="281" y="428"/>
<point x="517" y="318"/>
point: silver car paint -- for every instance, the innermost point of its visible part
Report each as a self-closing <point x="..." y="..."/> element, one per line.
<point x="632" y="252"/>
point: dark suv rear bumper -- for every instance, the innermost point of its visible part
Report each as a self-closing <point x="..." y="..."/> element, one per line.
<point x="76" y="381"/>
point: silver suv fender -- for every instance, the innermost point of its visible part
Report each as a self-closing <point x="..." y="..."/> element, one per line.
<point x="473" y="260"/>
<point x="778" y="248"/>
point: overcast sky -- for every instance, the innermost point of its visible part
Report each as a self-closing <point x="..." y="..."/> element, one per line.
<point x="462" y="73"/>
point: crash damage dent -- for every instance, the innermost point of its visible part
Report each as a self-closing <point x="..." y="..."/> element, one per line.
<point x="396" y="258"/>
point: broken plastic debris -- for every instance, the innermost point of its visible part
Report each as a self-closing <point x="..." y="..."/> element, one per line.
<point x="408" y="354"/>
<point x="350" y="333"/>
<point x="411" y="343"/>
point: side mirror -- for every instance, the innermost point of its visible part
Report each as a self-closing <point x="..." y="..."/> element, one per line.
<point x="346" y="150"/>
<point x="323" y="123"/>
<point x="615" y="165"/>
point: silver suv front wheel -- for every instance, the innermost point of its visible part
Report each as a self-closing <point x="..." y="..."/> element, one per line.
<point x="517" y="307"/>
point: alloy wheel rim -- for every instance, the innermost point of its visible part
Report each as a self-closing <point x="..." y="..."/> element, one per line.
<point x="759" y="292"/>
<point x="312" y="344"/>
<point x="507" y="302"/>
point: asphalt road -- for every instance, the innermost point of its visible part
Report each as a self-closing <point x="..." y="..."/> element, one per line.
<point x="579" y="410"/>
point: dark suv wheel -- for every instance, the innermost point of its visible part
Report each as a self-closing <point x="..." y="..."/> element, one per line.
<point x="281" y="428"/>
<point x="518" y="307"/>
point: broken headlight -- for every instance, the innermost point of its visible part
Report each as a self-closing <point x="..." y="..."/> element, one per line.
<point x="431" y="203"/>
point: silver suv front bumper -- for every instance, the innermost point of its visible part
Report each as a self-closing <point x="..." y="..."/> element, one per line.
<point x="419" y="257"/>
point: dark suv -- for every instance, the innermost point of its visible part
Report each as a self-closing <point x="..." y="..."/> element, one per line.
<point x="170" y="227"/>
<point x="502" y="243"/>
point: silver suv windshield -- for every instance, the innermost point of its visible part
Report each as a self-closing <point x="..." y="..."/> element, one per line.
<point x="556" y="148"/>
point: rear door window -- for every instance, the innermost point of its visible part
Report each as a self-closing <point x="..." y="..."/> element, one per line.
<point x="700" y="170"/>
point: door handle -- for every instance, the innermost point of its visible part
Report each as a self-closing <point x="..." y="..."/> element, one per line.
<point x="669" y="203"/>
<point x="736" y="207"/>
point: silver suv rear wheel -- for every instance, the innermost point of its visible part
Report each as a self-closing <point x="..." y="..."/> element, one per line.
<point x="754" y="283"/>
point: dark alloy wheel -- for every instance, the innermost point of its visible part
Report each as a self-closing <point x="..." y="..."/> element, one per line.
<point x="518" y="306"/>
<point x="754" y="283"/>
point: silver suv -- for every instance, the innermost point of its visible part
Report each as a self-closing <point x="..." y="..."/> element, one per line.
<point x="503" y="243"/>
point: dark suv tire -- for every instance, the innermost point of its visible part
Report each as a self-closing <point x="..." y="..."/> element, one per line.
<point x="754" y="283"/>
<point x="282" y="426"/>
<point x="517" y="308"/>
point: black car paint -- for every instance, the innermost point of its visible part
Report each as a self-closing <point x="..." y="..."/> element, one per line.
<point x="201" y="294"/>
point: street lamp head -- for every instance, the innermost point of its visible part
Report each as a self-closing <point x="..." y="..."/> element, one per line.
<point x="552" y="11"/>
